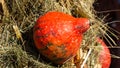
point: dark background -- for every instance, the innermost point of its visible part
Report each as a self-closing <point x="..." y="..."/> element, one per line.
<point x="112" y="9"/>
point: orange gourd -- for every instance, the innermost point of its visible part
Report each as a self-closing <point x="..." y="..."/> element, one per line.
<point x="104" y="55"/>
<point x="58" y="36"/>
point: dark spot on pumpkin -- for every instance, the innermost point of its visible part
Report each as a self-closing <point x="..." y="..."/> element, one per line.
<point x="53" y="33"/>
<point x="49" y="44"/>
<point x="53" y="56"/>
<point x="62" y="48"/>
<point x="45" y="47"/>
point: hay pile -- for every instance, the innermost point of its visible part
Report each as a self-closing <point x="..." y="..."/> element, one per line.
<point x="16" y="44"/>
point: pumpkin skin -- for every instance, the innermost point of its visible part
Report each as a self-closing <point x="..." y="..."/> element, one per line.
<point x="58" y="36"/>
<point x="104" y="56"/>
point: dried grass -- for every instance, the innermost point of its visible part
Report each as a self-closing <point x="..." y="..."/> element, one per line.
<point x="16" y="43"/>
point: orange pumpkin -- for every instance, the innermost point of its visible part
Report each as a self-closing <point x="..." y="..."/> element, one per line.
<point x="58" y="36"/>
<point x="104" y="55"/>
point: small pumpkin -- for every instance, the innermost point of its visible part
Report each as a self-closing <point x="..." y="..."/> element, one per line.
<point x="104" y="55"/>
<point x="58" y="36"/>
